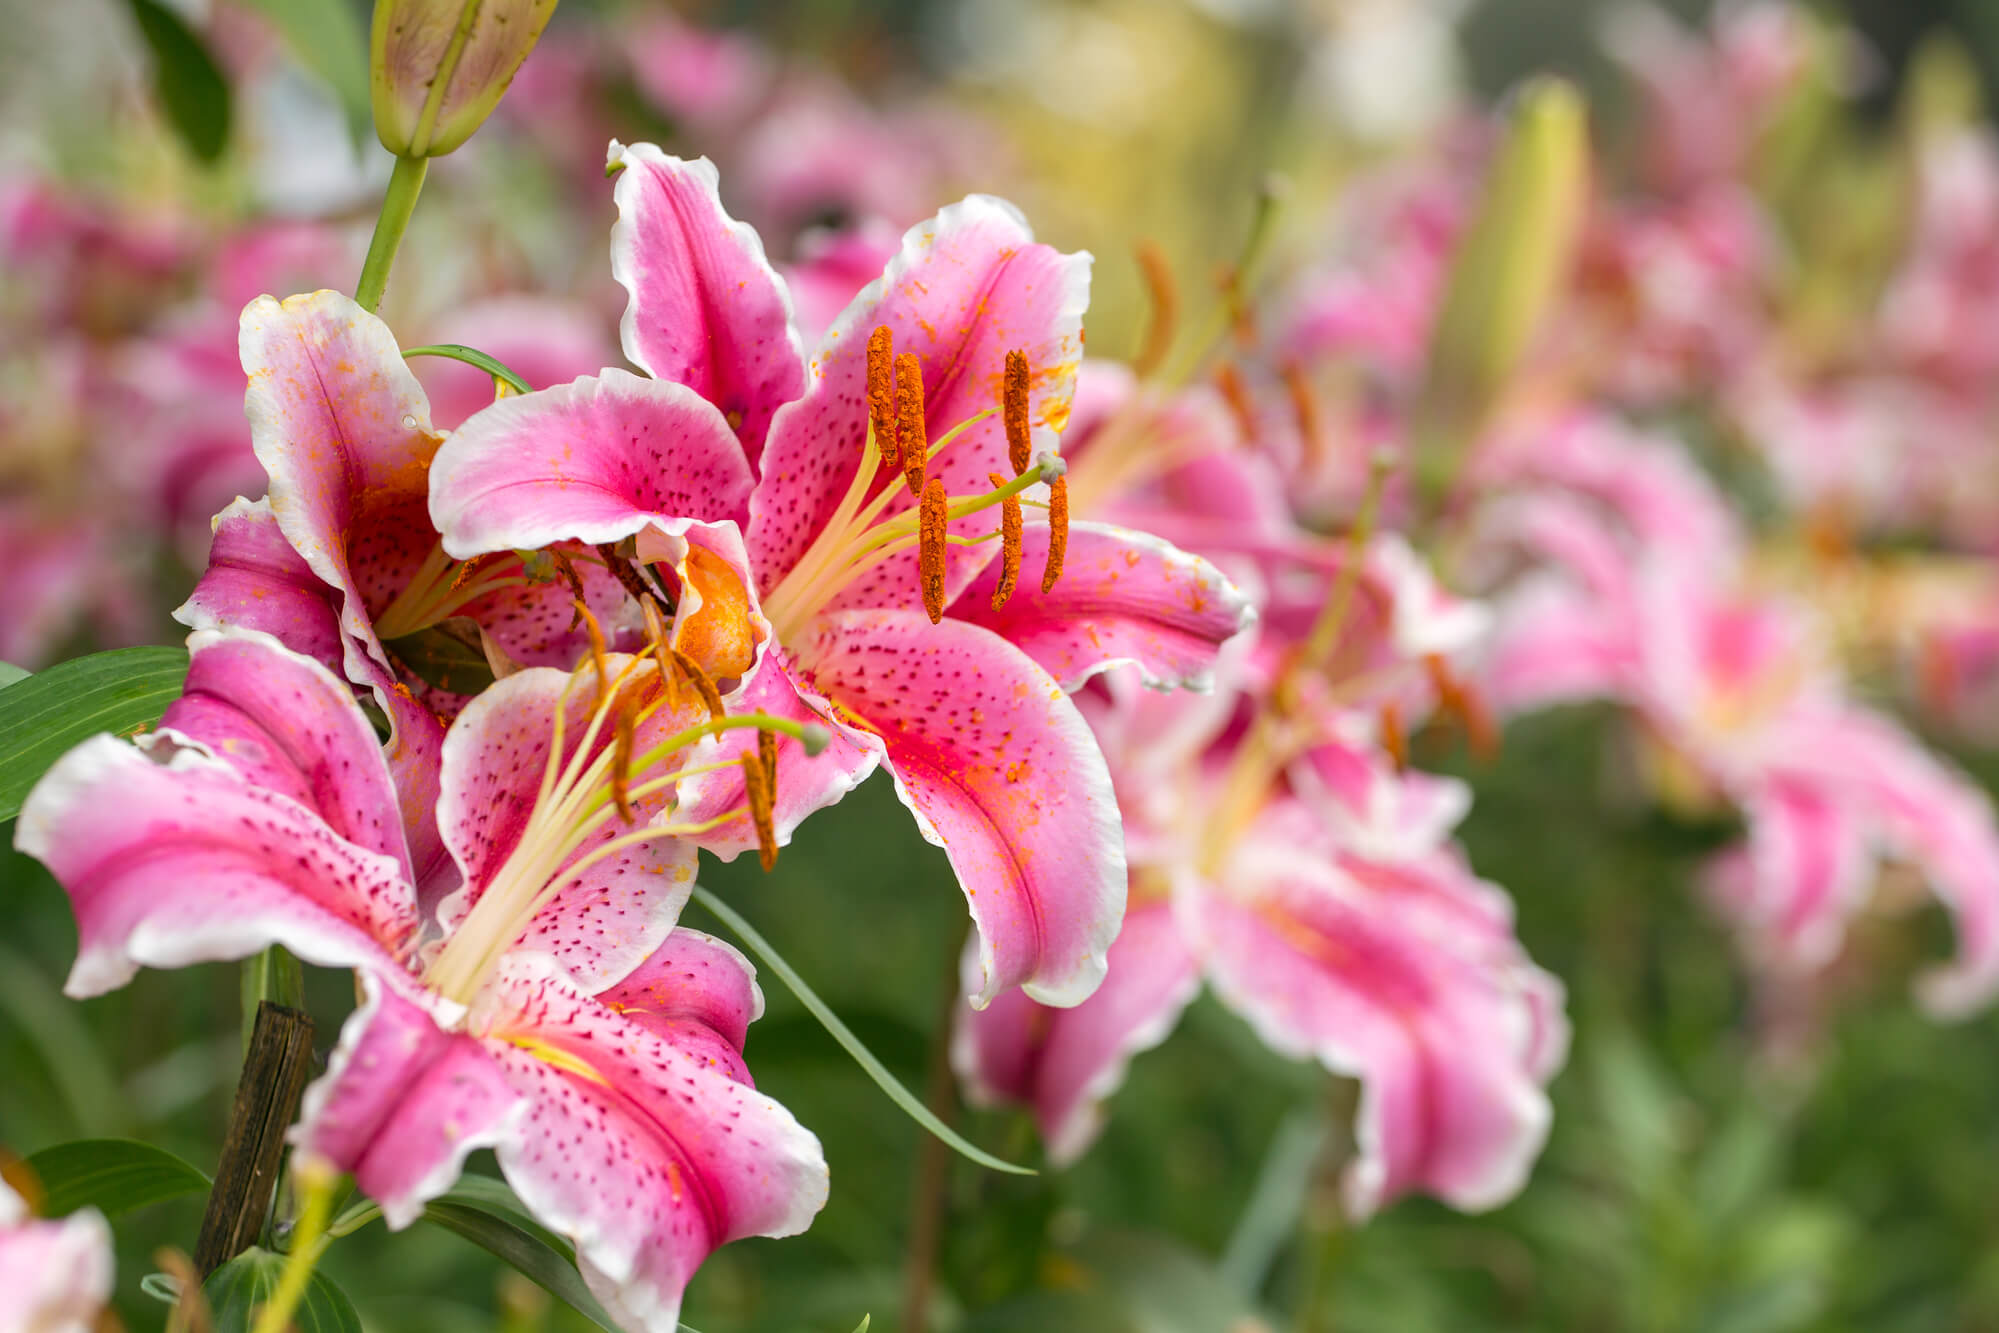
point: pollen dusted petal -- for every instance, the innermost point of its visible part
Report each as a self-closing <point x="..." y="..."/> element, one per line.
<point x="596" y="460"/>
<point x="1064" y="1063"/>
<point x="256" y="581"/>
<point x="1000" y="771"/>
<point x="966" y="287"/>
<point x="600" y="925"/>
<point x="1124" y="597"/>
<point x="652" y="1158"/>
<point x="706" y="308"/>
<point x="184" y="861"/>
<point x="718" y="635"/>
<point x="403" y="1102"/>
<point x="1448" y="1030"/>
<point x="808" y="782"/>
<point x="289" y="725"/>
<point x="343" y="429"/>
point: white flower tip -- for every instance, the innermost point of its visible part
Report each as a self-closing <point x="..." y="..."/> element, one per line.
<point x="815" y="738"/>
<point x="1051" y="465"/>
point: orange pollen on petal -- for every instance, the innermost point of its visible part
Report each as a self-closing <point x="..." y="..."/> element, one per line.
<point x="1058" y="532"/>
<point x="710" y="696"/>
<point x="756" y="786"/>
<point x="717" y="634"/>
<point x="1013" y="405"/>
<point x="1010" y="534"/>
<point x="931" y="546"/>
<point x="881" y="392"/>
<point x="910" y="426"/>
<point x="1165" y="302"/>
<point x="1304" y="407"/>
<point x="1228" y="380"/>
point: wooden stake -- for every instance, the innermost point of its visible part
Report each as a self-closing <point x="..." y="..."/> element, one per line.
<point x="274" y="1074"/>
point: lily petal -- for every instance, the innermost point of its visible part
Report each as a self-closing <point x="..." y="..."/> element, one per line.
<point x="696" y="993"/>
<point x="706" y="308"/>
<point x="1000" y="771"/>
<point x="1124" y="597"/>
<point x="603" y="921"/>
<point x="290" y="726"/>
<point x="343" y="430"/>
<point x="183" y="861"/>
<point x="967" y="285"/>
<point x="403" y="1102"/>
<point x="1446" y="1040"/>
<point x="805" y="783"/>
<point x="645" y="1152"/>
<point x="256" y="581"/>
<point x="596" y="460"/>
<point x="1064" y="1063"/>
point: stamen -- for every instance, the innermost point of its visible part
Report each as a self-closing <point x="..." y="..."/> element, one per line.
<point x="1058" y="531"/>
<point x="669" y="679"/>
<point x="756" y="785"/>
<point x="1393" y="738"/>
<point x="910" y="426"/>
<point x="626" y="575"/>
<point x="575" y="582"/>
<point x="931" y="547"/>
<point x="1013" y="401"/>
<point x="1235" y="393"/>
<point x="767" y="752"/>
<point x="598" y="657"/>
<point x="881" y="392"/>
<point x="1010" y="534"/>
<point x="466" y="570"/>
<point x="1304" y="407"/>
<point x="692" y="670"/>
<point x="1164" y="298"/>
<point x="621" y="762"/>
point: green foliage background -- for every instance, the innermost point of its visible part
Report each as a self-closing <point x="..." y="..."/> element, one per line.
<point x="1693" y="1182"/>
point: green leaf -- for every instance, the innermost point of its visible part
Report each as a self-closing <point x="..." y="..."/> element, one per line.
<point x="68" y="1050"/>
<point x="485" y="1212"/>
<point x="327" y="38"/>
<point x="235" y="1290"/>
<point x="446" y="655"/>
<point x="191" y="89"/>
<point x="472" y="356"/>
<point x="863" y="1057"/>
<point x="122" y="691"/>
<point x="112" y="1175"/>
<point x="9" y="673"/>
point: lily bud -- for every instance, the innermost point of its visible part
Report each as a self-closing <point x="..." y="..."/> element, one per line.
<point x="439" y="67"/>
<point x="1508" y="271"/>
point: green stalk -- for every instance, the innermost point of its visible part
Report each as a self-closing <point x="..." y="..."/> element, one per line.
<point x="397" y="206"/>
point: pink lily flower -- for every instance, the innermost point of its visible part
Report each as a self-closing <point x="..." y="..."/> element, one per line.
<point x="836" y="602"/>
<point x="1744" y="706"/>
<point x="57" y="1274"/>
<point x="1362" y="941"/>
<point x="547" y="1008"/>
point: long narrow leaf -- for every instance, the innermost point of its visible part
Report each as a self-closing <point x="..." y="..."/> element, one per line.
<point x="863" y="1057"/>
<point x="529" y="1251"/>
<point x="122" y="691"/>
<point x="472" y="356"/>
<point x="112" y="1175"/>
<point x="190" y="87"/>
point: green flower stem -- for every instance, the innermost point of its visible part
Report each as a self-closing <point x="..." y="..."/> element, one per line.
<point x="397" y="205"/>
<point x="316" y="1184"/>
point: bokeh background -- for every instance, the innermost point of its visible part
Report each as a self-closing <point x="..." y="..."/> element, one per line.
<point x="1708" y="1171"/>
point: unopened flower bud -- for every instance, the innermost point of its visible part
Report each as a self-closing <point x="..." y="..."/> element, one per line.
<point x="439" y="67"/>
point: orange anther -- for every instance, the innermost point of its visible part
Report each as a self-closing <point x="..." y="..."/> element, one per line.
<point x="1165" y="303"/>
<point x="910" y="427"/>
<point x="1013" y="404"/>
<point x="931" y="546"/>
<point x="1010" y="534"/>
<point x="756" y="786"/>
<point x="1228" y="380"/>
<point x="1393" y="738"/>
<point x="1304" y="407"/>
<point x="881" y="392"/>
<point x="689" y="668"/>
<point x="1058" y="532"/>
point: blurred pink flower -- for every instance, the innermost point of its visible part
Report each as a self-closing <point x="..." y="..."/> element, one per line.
<point x="57" y="1274"/>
